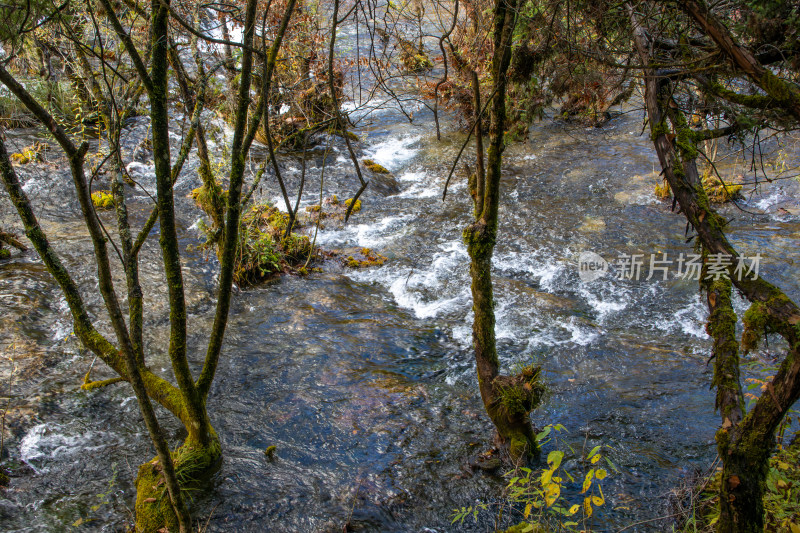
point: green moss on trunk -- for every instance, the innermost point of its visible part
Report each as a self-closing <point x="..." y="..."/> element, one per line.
<point x="193" y="463"/>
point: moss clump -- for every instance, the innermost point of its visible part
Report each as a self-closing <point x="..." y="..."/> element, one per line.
<point x="414" y="58"/>
<point x="719" y="192"/>
<point x="206" y="199"/>
<point x="334" y="200"/>
<point x="103" y="200"/>
<point x="375" y="167"/>
<point x="356" y="207"/>
<point x="295" y="248"/>
<point x="270" y="452"/>
<point x="313" y="208"/>
<point x="5" y="253"/>
<point x="368" y="258"/>
<point x="264" y="249"/>
<point x="662" y="190"/>
<point x="154" y="510"/>
<point x="756" y="324"/>
<point x="4" y="479"/>
<point x="520" y="394"/>
<point x="212" y="200"/>
<point x="716" y="191"/>
<point x="29" y="154"/>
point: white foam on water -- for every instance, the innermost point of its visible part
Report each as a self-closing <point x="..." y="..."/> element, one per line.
<point x="196" y="225"/>
<point x="582" y="336"/>
<point x="766" y="203"/>
<point x="393" y="152"/>
<point x="422" y="308"/>
<point x="422" y="186"/>
<point x="462" y="334"/>
<point x="365" y="235"/>
<point x="280" y="203"/>
<point x="51" y="441"/>
<point x="547" y="271"/>
<point x="424" y="290"/>
<point x="692" y="319"/>
<point x="63" y="328"/>
<point x="140" y="170"/>
<point x="604" y="305"/>
<point x="689" y="319"/>
<point x="413" y="176"/>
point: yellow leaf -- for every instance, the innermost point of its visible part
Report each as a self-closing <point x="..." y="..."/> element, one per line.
<point x="552" y="493"/>
<point x="588" y="481"/>
<point x="601" y="473"/>
<point x="574" y="509"/>
<point x="587" y="506"/>
<point x="595" y="458"/>
<point x="546" y="475"/>
<point x="79" y="521"/>
<point x="528" y="510"/>
<point x="794" y="527"/>
<point x="598" y="501"/>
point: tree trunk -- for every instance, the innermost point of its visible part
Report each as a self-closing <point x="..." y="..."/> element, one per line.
<point x="744" y="447"/>
<point x="744" y="471"/>
<point x="508" y="399"/>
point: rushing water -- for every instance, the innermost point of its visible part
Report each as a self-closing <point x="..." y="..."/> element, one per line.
<point x="364" y="380"/>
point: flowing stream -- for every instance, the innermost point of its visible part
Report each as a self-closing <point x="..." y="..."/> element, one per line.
<point x="363" y="379"/>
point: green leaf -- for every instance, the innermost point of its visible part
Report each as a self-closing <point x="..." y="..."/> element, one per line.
<point x="594" y="451"/>
<point x="542" y="434"/>
<point x="554" y="459"/>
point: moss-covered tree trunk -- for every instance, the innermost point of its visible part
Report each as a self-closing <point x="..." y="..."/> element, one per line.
<point x="508" y="399"/>
<point x="741" y="466"/>
<point x="744" y="447"/>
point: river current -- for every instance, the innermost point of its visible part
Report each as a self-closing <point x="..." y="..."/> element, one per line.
<point x="363" y="379"/>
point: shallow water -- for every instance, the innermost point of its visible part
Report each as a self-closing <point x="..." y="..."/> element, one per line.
<point x="364" y="379"/>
